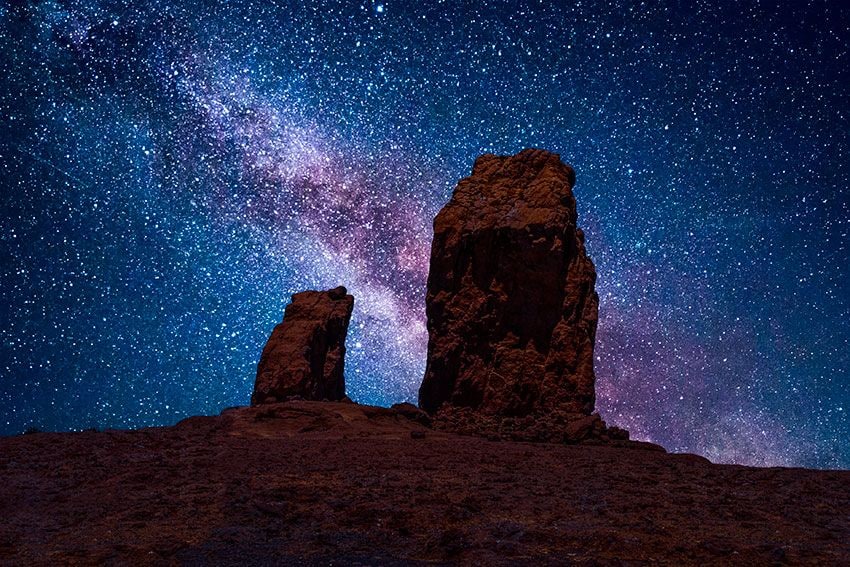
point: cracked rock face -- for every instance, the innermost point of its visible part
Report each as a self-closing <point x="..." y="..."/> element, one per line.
<point x="511" y="305"/>
<point x="305" y="354"/>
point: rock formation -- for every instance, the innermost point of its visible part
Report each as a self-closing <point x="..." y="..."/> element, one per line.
<point x="304" y="356"/>
<point x="511" y="304"/>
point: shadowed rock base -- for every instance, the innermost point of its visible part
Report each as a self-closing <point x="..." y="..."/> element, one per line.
<point x="552" y="427"/>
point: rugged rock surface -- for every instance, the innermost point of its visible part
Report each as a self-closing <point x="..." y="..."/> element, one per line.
<point x="325" y="483"/>
<point x="413" y="413"/>
<point x="305" y="354"/>
<point x="511" y="304"/>
<point x="552" y="427"/>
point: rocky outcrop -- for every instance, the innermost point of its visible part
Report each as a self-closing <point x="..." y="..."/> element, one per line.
<point x="553" y="427"/>
<point x="304" y="356"/>
<point x="511" y="304"/>
<point x="413" y="413"/>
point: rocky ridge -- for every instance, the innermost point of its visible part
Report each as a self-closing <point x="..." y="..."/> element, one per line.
<point x="328" y="483"/>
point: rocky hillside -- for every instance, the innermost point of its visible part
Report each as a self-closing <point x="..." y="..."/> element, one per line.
<point x="338" y="483"/>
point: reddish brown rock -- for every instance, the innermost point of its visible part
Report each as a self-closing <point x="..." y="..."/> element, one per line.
<point x="413" y="413"/>
<point x="329" y="483"/>
<point x="304" y="356"/>
<point x="511" y="304"/>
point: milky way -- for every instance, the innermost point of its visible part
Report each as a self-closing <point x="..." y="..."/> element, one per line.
<point x="171" y="173"/>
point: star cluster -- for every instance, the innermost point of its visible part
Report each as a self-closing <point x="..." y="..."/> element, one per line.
<point x="172" y="172"/>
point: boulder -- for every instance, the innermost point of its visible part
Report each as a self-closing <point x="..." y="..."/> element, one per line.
<point x="304" y="357"/>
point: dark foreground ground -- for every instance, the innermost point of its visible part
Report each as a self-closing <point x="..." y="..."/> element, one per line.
<point x="336" y="484"/>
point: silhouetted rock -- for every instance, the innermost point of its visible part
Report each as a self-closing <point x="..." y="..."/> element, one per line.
<point x="511" y="304"/>
<point x="618" y="433"/>
<point x="305" y="354"/>
<point x="413" y="413"/>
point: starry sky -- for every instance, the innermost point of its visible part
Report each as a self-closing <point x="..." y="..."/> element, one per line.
<point x="172" y="171"/>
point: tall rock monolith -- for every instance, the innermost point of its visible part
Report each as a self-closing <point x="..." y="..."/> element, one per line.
<point x="511" y="304"/>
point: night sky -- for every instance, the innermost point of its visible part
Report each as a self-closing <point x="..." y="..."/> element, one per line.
<point x="172" y="173"/>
